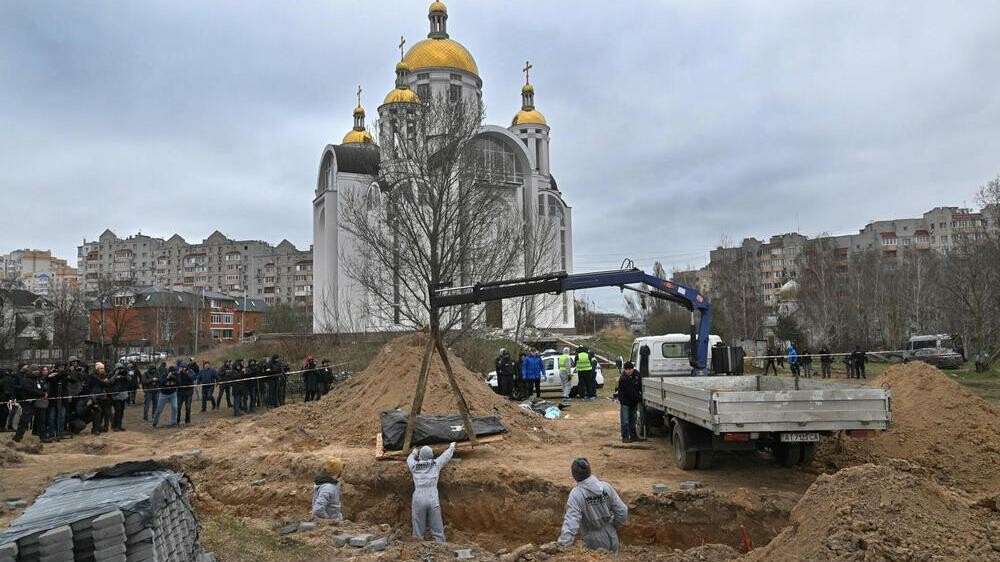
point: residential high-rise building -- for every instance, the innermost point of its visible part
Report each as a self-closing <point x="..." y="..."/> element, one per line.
<point x="37" y="271"/>
<point x="279" y="274"/>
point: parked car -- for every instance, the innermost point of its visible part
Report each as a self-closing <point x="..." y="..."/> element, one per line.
<point x="940" y="357"/>
<point x="551" y="381"/>
<point x="933" y="341"/>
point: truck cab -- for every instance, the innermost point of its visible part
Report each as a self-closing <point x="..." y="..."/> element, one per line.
<point x="669" y="354"/>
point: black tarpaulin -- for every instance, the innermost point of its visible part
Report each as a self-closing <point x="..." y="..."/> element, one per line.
<point x="433" y="430"/>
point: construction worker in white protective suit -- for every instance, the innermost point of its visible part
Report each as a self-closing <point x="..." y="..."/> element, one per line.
<point x="426" y="507"/>
<point x="566" y="372"/>
<point x="594" y="510"/>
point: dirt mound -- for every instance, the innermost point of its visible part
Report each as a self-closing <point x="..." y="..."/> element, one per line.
<point x="936" y="423"/>
<point x="350" y="413"/>
<point x="8" y="455"/>
<point x="893" y="511"/>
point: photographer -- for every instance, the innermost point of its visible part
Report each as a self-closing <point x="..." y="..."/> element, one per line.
<point x="325" y="377"/>
<point x="149" y="381"/>
<point x="185" y="394"/>
<point x="99" y="387"/>
<point x="57" y="404"/>
<point x="30" y="387"/>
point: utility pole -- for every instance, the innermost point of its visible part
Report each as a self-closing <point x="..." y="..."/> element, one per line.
<point x="244" y="316"/>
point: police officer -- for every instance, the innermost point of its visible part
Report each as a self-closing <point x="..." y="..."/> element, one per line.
<point x="310" y="379"/>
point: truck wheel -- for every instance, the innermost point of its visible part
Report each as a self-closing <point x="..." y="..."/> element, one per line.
<point x="705" y="459"/>
<point x="788" y="454"/>
<point x="685" y="459"/>
<point x="808" y="453"/>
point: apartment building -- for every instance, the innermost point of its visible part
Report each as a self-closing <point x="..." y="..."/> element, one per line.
<point x="275" y="274"/>
<point x="37" y="271"/>
<point x="773" y="263"/>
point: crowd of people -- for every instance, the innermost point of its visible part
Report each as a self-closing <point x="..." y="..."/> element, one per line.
<point x="800" y="361"/>
<point x="60" y="401"/>
<point x="519" y="379"/>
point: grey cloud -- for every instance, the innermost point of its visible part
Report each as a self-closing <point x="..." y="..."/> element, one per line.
<point x="673" y="124"/>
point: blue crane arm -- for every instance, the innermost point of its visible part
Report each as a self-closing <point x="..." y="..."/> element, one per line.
<point x="560" y="282"/>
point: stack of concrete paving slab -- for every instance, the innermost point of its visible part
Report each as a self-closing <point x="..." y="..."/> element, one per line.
<point x="136" y="517"/>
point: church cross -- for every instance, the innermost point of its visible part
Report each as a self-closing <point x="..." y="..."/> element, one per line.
<point x="402" y="42"/>
<point x="359" y="95"/>
<point x="527" y="68"/>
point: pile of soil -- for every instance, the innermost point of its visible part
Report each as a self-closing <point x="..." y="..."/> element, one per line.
<point x="8" y="455"/>
<point x="349" y="414"/>
<point x="936" y="423"/>
<point x="893" y="511"/>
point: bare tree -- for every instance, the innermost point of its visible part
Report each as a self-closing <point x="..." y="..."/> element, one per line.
<point x="8" y="315"/>
<point x="737" y="294"/>
<point x="69" y="319"/>
<point x="821" y="290"/>
<point x="659" y="316"/>
<point x="441" y="213"/>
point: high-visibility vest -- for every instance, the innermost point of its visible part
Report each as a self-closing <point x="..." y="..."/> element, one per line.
<point x="583" y="362"/>
<point x="564" y="363"/>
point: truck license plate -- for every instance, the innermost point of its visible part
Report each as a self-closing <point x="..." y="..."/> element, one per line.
<point x="799" y="437"/>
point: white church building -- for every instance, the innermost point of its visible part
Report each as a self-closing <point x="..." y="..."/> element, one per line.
<point x="435" y="68"/>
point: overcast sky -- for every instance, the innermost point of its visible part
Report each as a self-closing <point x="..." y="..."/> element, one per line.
<point x="674" y="125"/>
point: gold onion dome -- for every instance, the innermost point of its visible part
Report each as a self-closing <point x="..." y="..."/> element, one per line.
<point x="528" y="117"/>
<point x="358" y="137"/>
<point x="437" y="7"/>
<point x="402" y="95"/>
<point x="447" y="53"/>
<point x="359" y="111"/>
<point x="528" y="88"/>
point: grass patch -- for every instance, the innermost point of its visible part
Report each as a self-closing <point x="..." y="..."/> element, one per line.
<point x="232" y="538"/>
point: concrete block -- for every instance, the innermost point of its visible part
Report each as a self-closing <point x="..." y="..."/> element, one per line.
<point x="360" y="540"/>
<point x="109" y="552"/>
<point x="690" y="485"/>
<point x="109" y="532"/>
<point x="57" y="557"/>
<point x="660" y="488"/>
<point x="109" y="519"/>
<point x="8" y="552"/>
<point x="307" y="526"/>
<point x="143" y="535"/>
<point x="377" y="545"/>
<point x="341" y="540"/>
<point x="47" y="549"/>
<point x="141" y="553"/>
<point x="463" y="554"/>
<point x="134" y="523"/>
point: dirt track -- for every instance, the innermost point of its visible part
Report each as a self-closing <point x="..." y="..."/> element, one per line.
<point x="510" y="493"/>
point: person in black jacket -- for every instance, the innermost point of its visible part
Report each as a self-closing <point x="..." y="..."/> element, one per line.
<point x="149" y="381"/>
<point x="119" y="386"/>
<point x="225" y="384"/>
<point x="858" y="358"/>
<point x="8" y="386"/>
<point x="167" y="394"/>
<point x="825" y="361"/>
<point x="310" y="379"/>
<point x="185" y="394"/>
<point x="325" y="377"/>
<point x="57" y="404"/>
<point x="99" y="388"/>
<point x="30" y="387"/>
<point x="629" y="393"/>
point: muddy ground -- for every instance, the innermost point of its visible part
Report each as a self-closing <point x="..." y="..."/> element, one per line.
<point x="254" y="474"/>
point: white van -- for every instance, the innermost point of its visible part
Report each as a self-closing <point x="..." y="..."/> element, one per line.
<point x="941" y="341"/>
<point x="669" y="354"/>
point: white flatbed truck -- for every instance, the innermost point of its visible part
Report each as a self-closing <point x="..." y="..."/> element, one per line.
<point x="787" y="416"/>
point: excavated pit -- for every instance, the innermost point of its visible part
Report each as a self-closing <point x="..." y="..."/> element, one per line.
<point x="509" y="509"/>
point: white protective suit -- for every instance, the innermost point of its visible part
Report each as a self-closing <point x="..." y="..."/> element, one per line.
<point x="326" y="500"/>
<point x="595" y="510"/>
<point x="426" y="507"/>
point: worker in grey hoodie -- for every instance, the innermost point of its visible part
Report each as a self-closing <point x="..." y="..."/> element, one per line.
<point x="426" y="507"/>
<point x="593" y="509"/>
<point x="326" y="493"/>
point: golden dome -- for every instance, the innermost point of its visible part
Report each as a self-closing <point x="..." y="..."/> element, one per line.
<point x="402" y="66"/>
<point x="528" y="117"/>
<point x="400" y="95"/>
<point x="446" y="53"/>
<point x="437" y="7"/>
<point x="359" y="111"/>
<point x="528" y="88"/>
<point x="354" y="137"/>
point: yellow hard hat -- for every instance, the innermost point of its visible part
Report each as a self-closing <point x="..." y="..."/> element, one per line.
<point x="334" y="466"/>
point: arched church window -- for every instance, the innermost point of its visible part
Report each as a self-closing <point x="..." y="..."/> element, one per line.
<point x="541" y="205"/>
<point x="497" y="162"/>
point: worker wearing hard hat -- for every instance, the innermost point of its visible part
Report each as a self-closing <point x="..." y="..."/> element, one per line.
<point x="326" y="493"/>
<point x="594" y="510"/>
<point x="426" y="506"/>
